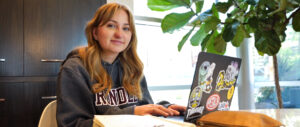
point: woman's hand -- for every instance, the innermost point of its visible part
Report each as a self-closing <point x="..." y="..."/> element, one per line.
<point x="176" y="109"/>
<point x="153" y="109"/>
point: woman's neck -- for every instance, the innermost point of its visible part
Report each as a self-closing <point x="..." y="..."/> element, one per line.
<point x="109" y="58"/>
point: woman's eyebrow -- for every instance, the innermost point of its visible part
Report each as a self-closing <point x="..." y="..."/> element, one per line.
<point x="118" y="22"/>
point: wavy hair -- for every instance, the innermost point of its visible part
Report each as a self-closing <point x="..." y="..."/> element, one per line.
<point x="130" y="62"/>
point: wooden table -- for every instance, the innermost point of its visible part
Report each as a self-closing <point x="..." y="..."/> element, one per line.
<point x="289" y="117"/>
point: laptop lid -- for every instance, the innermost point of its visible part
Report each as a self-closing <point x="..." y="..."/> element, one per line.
<point x="213" y="85"/>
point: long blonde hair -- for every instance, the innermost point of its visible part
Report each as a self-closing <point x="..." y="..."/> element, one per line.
<point x="131" y="64"/>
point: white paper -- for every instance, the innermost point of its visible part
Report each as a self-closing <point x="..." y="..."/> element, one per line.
<point x="138" y="121"/>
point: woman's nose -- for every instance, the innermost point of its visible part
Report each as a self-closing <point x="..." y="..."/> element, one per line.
<point x="118" y="33"/>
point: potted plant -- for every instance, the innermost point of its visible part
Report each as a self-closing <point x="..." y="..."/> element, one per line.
<point x="266" y="20"/>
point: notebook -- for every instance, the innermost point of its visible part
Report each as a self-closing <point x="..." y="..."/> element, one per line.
<point x="213" y="85"/>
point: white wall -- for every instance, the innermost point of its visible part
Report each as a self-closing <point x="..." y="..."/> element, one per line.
<point x="129" y="3"/>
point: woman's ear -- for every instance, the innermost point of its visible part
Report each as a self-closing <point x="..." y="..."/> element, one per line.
<point x="95" y="33"/>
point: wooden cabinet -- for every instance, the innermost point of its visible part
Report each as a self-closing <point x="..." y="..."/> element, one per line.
<point x="12" y="105"/>
<point x="33" y="35"/>
<point x="37" y="95"/>
<point x="21" y="104"/>
<point x="52" y="28"/>
<point x="11" y="37"/>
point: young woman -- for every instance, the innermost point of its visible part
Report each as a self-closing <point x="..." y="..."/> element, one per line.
<point x="106" y="77"/>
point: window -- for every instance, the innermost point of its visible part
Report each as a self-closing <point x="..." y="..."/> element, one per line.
<point x="169" y="73"/>
<point x="288" y="60"/>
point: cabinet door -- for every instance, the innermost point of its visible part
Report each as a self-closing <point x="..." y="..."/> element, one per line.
<point x="37" y="96"/>
<point x="52" y="28"/>
<point x="12" y="105"/>
<point x="11" y="37"/>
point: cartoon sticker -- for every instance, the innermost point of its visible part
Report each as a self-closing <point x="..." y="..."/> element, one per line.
<point x="220" y="81"/>
<point x="195" y="97"/>
<point x="213" y="102"/>
<point x="226" y="80"/>
<point x="194" y="103"/>
<point x="205" y="76"/>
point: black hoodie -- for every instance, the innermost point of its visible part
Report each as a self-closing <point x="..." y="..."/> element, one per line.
<point x="77" y="104"/>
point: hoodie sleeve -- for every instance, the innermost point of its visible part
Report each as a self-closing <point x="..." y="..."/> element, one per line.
<point x="147" y="99"/>
<point x="74" y="97"/>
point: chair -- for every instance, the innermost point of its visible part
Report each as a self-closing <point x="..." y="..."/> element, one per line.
<point x="48" y="117"/>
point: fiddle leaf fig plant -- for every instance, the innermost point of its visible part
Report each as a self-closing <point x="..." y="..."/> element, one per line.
<point x="266" y="20"/>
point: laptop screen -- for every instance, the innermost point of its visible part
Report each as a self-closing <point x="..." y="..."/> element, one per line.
<point x="213" y="85"/>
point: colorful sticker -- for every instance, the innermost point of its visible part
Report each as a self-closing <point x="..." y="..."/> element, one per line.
<point x="195" y="97"/>
<point x="193" y="112"/>
<point x="230" y="92"/>
<point x="220" y="81"/>
<point x="226" y="80"/>
<point x="224" y="105"/>
<point x="205" y="76"/>
<point x="213" y="102"/>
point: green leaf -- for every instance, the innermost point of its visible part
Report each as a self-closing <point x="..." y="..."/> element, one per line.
<point x="282" y="7"/>
<point x="253" y="22"/>
<point x="161" y="5"/>
<point x="215" y="11"/>
<point x="239" y="36"/>
<point x="205" y="15"/>
<point x="223" y="6"/>
<point x="233" y="12"/>
<point x="244" y="6"/>
<point x="220" y="44"/>
<point x="199" y="5"/>
<point x="296" y="22"/>
<point x="198" y="36"/>
<point x="260" y="53"/>
<point x="211" y="43"/>
<point x="271" y="4"/>
<point x="267" y="42"/>
<point x="230" y="30"/>
<point x="185" y="37"/>
<point x="175" y="21"/>
<point x="186" y="3"/>
<point x="251" y="2"/>
<point x="204" y="42"/>
<point x="211" y="23"/>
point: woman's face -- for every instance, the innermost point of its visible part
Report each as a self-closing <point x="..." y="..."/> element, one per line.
<point x="115" y="35"/>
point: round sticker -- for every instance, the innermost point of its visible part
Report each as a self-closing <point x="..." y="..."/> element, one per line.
<point x="213" y="102"/>
<point x="230" y="92"/>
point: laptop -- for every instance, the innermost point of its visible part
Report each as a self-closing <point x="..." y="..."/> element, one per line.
<point x="213" y="85"/>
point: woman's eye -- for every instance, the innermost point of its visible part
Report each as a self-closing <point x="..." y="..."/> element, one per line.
<point x="111" y="26"/>
<point x="126" y="29"/>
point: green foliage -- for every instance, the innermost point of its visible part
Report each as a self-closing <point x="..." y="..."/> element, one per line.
<point x="164" y="5"/>
<point x="296" y="22"/>
<point x="288" y="60"/>
<point x="199" y="36"/>
<point x="175" y="21"/>
<point x="267" y="42"/>
<point x="266" y="19"/>
<point x="199" y="5"/>
<point x="185" y="37"/>
<point x="266" y="94"/>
